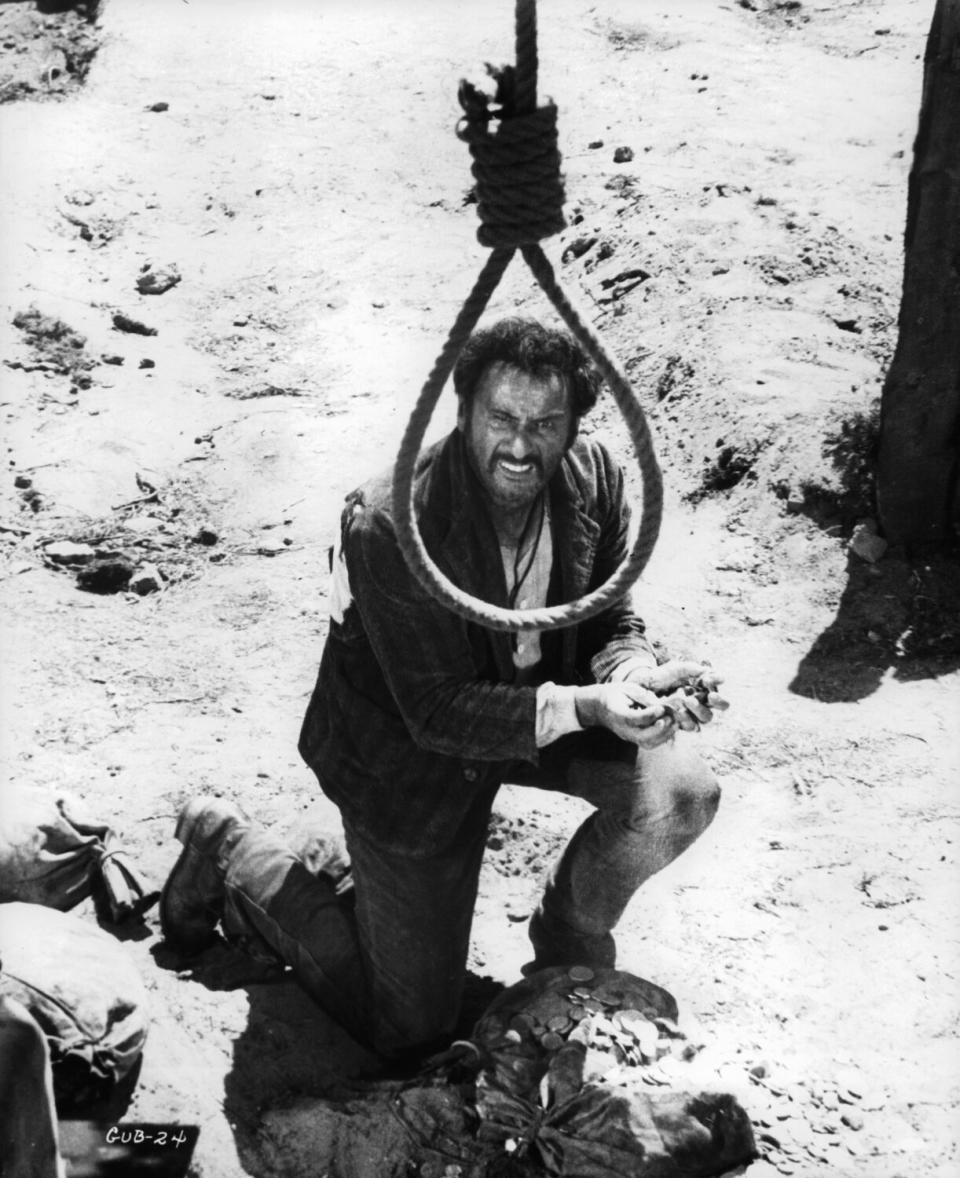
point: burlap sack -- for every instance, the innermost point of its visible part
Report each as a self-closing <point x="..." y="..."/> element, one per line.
<point x="53" y="853"/>
<point x="83" y="990"/>
<point x="582" y="1076"/>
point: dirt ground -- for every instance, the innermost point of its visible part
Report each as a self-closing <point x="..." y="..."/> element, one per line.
<point x="232" y="242"/>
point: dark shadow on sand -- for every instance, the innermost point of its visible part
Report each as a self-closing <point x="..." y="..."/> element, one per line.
<point x="290" y="1048"/>
<point x="901" y="614"/>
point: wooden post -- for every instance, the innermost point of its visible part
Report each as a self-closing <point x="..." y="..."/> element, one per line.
<point x="919" y="455"/>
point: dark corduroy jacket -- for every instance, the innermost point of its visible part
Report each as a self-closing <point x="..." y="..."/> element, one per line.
<point x="415" y="719"/>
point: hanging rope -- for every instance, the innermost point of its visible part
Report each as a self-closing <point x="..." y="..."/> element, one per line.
<point x="520" y="201"/>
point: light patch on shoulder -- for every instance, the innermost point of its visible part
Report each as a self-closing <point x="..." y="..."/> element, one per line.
<point x="340" y="595"/>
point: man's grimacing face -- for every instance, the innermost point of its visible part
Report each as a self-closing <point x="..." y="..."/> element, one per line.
<point x="517" y="428"/>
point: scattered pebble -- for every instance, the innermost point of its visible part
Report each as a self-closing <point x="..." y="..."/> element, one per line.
<point x="156" y="281"/>
<point x="69" y="553"/>
<point x="578" y="247"/>
<point x="158" y="107"/>
<point x="133" y="326"/>
<point x="109" y="574"/>
<point x="146" y="579"/>
<point x="147" y="363"/>
<point x="623" y="155"/>
<point x="866" y="543"/>
<point x="80" y="197"/>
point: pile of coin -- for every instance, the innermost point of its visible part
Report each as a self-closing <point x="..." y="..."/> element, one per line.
<point x="629" y="1022"/>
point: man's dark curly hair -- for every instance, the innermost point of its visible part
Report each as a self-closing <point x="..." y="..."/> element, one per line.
<point x="528" y="345"/>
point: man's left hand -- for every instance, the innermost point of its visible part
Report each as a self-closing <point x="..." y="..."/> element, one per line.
<point x="688" y="689"/>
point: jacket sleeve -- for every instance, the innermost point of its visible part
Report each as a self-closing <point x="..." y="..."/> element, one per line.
<point x="425" y="654"/>
<point x="617" y="636"/>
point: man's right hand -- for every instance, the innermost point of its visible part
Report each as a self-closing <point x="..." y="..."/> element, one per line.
<point x="629" y="711"/>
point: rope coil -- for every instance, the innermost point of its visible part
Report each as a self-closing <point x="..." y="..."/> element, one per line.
<point x="517" y="172"/>
<point x="520" y="202"/>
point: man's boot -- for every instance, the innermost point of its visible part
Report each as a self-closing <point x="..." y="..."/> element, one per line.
<point x="191" y="903"/>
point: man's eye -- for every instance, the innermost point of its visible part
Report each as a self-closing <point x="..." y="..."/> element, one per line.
<point x="547" y="426"/>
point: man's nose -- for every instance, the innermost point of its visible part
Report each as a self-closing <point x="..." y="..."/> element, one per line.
<point x="518" y="443"/>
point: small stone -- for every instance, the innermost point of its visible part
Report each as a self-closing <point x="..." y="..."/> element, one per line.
<point x="853" y="1121"/>
<point x="66" y="552"/>
<point x="146" y="362"/>
<point x="205" y="536"/>
<point x="623" y="155"/>
<point x="112" y="359"/>
<point x="156" y="281"/>
<point x="594" y="144"/>
<point x="866" y="543"/>
<point x="22" y="481"/>
<point x="578" y="247"/>
<point x="146" y="579"/>
<point x="133" y="326"/>
<point x="158" y="107"/>
<point x="105" y="575"/>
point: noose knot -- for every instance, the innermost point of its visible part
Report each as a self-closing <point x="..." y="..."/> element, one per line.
<point x="516" y="164"/>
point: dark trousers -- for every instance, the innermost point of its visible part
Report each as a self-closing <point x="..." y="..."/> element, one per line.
<point x="390" y="967"/>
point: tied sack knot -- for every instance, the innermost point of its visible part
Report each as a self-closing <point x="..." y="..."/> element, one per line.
<point x="516" y="167"/>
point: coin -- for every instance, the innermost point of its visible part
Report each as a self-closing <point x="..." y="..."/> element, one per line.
<point x="559" y="1023"/>
<point x="647" y="1038"/>
<point x="580" y="973"/>
<point x="551" y="1041"/>
<point x="523" y="1021"/>
<point x="551" y="1007"/>
<point x="630" y="1019"/>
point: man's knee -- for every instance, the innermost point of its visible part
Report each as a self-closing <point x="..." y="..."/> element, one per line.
<point x="676" y="782"/>
<point x="696" y="795"/>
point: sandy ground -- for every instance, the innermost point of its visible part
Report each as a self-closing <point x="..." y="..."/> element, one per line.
<point x="297" y="164"/>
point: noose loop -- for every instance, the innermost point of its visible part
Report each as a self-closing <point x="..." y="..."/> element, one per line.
<point x="520" y="201"/>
